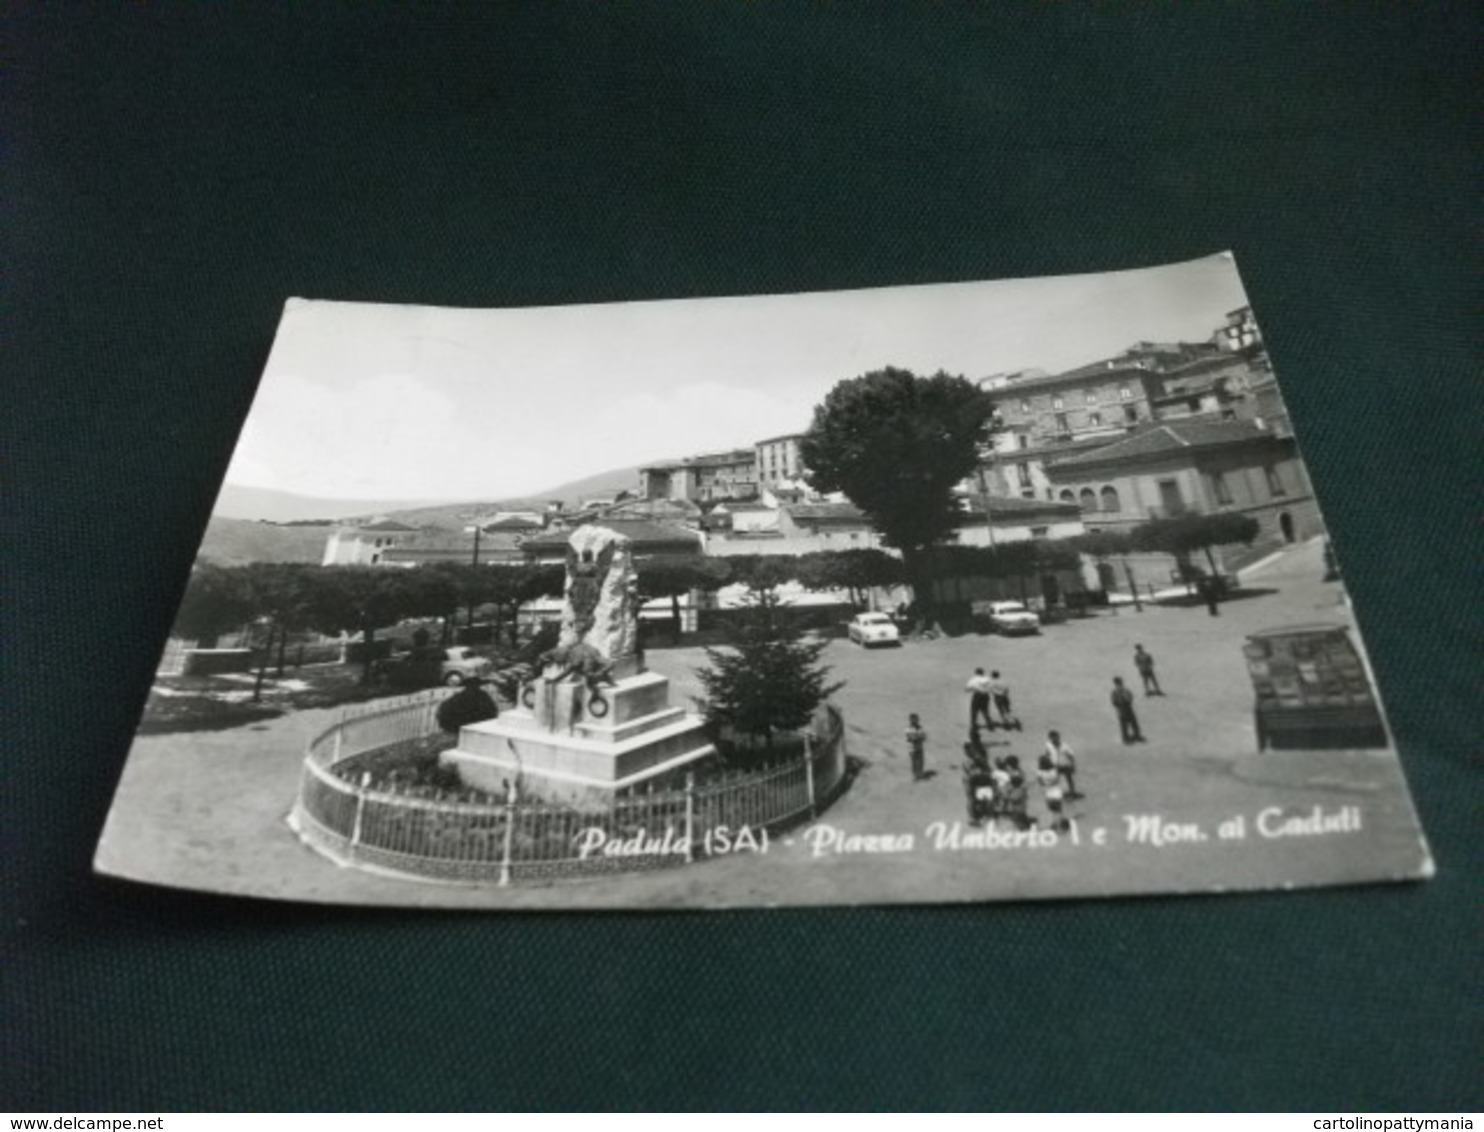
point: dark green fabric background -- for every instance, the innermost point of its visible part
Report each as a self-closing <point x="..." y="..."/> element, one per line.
<point x="172" y="173"/>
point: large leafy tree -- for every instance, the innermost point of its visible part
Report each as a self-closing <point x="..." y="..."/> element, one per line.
<point x="768" y="681"/>
<point x="215" y="601"/>
<point x="897" y="444"/>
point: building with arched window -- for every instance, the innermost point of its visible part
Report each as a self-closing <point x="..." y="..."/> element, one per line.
<point x="1194" y="467"/>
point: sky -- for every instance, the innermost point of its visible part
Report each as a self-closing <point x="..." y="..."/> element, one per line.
<point x="362" y="400"/>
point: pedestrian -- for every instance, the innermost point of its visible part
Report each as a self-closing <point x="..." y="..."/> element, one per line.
<point x="1000" y="692"/>
<point x="978" y="689"/>
<point x="1210" y="589"/>
<point x="1064" y="760"/>
<point x="1016" y="805"/>
<point x="916" y="741"/>
<point x="975" y="748"/>
<point x="1054" y="789"/>
<point x="979" y="791"/>
<point x="1145" y="664"/>
<point x="1123" y="704"/>
<point x="999" y="776"/>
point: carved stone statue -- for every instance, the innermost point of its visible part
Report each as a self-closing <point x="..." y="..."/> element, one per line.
<point x="600" y="618"/>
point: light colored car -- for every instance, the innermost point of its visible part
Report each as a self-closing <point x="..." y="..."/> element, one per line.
<point x="427" y="665"/>
<point x="867" y="629"/>
<point x="461" y="663"/>
<point x="1010" y="617"/>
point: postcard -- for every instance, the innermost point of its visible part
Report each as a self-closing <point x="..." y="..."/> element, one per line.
<point x="963" y="592"/>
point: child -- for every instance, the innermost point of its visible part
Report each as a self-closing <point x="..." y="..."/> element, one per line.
<point x="1064" y="760"/>
<point x="1054" y="789"/>
<point x="916" y="741"/>
<point x="1000" y="775"/>
<point x="1017" y="797"/>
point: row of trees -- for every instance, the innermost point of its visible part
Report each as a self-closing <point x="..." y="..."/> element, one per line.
<point x="363" y="599"/>
<point x="353" y="599"/>
<point x="1180" y="537"/>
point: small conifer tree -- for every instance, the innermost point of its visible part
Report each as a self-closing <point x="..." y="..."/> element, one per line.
<point x="769" y="680"/>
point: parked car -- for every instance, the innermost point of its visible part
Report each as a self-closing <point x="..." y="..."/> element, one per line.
<point x="867" y="629"/>
<point x="422" y="668"/>
<point x="1011" y="617"/>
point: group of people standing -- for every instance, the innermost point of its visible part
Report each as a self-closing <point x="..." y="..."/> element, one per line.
<point x="997" y="788"/>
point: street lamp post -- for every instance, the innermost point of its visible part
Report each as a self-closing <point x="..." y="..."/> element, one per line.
<point x="476" y="529"/>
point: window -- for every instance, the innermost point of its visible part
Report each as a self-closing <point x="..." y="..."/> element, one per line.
<point x="1061" y="423"/>
<point x="1094" y="419"/>
<point x="1130" y="414"/>
<point x="1125" y="393"/>
<point x="1275" y="483"/>
<point x="1023" y="473"/>
<point x="1023" y="440"/>
<point x="1057" y="403"/>
<point x="1087" y="500"/>
<point x="1110" y="499"/>
<point x="1040" y="532"/>
<point x="1220" y="489"/>
<point x="1092" y="397"/>
<point x="1067" y="496"/>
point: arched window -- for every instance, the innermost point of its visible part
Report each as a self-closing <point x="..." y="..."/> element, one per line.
<point x="1110" y="499"/>
<point x="1087" y="500"/>
<point x="1067" y="496"/>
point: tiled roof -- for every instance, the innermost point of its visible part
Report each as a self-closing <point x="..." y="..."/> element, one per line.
<point x="440" y="540"/>
<point x="682" y="510"/>
<point x="825" y="512"/>
<point x="1169" y="436"/>
<point x="1146" y="357"/>
<point x="642" y="532"/>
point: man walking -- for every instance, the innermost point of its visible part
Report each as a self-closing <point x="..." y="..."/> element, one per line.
<point x="1145" y="664"/>
<point x="916" y="742"/>
<point x="1123" y="704"/>
<point x="999" y="691"/>
<point x="978" y="689"/>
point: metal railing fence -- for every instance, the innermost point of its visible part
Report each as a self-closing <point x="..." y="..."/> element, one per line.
<point x="402" y="830"/>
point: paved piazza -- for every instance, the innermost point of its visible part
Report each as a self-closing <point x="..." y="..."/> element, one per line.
<point x="218" y="805"/>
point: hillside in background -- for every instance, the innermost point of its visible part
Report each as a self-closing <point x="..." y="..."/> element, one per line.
<point x="456" y="515"/>
<point x="252" y="503"/>
<point x="236" y="542"/>
<point x="237" y="502"/>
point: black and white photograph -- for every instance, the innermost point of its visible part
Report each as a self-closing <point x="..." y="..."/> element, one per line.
<point x="965" y="592"/>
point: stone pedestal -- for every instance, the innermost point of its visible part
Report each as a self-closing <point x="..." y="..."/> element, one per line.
<point x="567" y="744"/>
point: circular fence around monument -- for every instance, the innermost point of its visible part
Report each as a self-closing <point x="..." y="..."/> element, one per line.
<point x="343" y="816"/>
